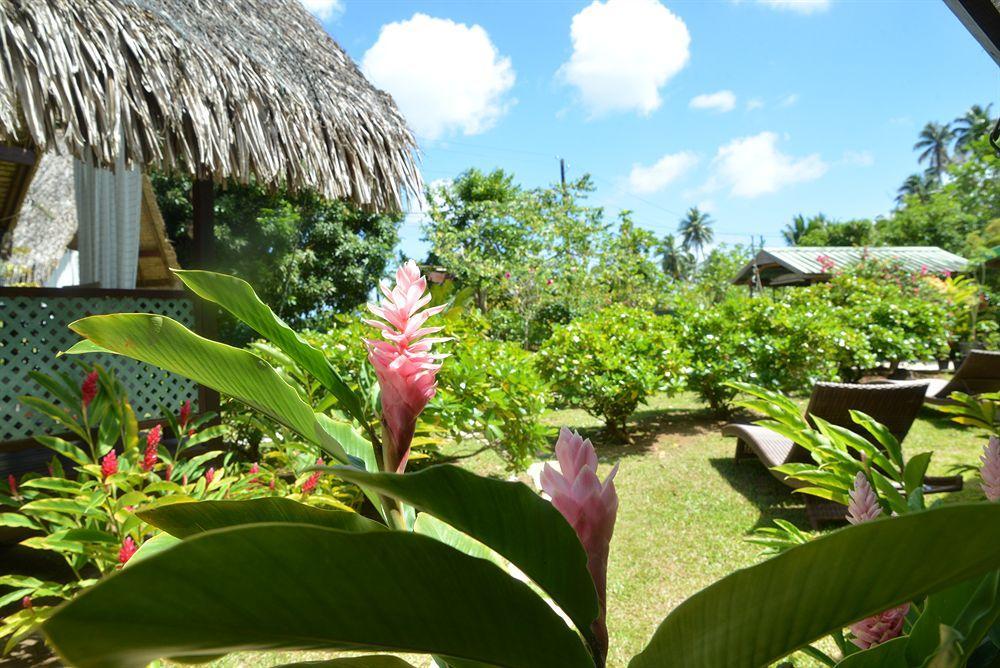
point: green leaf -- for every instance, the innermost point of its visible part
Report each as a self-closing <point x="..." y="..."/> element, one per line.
<point x="154" y="545"/>
<point x="236" y="296"/>
<point x="916" y="469"/>
<point x="18" y="520"/>
<point x="882" y="435"/>
<point x="186" y="519"/>
<point x="90" y="536"/>
<point x="432" y="527"/>
<point x="890" y="654"/>
<point x="292" y="587"/>
<point x="166" y="343"/>
<point x="758" y="615"/>
<point x="370" y="661"/>
<point x="53" y="485"/>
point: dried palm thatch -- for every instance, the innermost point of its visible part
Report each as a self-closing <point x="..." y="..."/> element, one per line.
<point x="241" y="89"/>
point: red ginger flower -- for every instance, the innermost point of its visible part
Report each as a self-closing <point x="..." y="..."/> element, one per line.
<point x="254" y="468"/>
<point x="310" y="484"/>
<point x="12" y="484"/>
<point x="26" y="603"/>
<point x="151" y="456"/>
<point x="990" y="470"/>
<point x="109" y="464"/>
<point x="404" y="364"/>
<point x="127" y="550"/>
<point x="888" y="624"/>
<point x="185" y="414"/>
<point x="590" y="507"/>
<point x="88" y="390"/>
<point x="209" y="476"/>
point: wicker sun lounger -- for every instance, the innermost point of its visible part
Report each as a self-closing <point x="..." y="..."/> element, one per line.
<point x="979" y="373"/>
<point x="893" y="405"/>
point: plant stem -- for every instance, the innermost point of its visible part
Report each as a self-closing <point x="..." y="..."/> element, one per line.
<point x="811" y="651"/>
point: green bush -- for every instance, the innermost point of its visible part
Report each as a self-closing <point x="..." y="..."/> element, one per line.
<point x="610" y="363"/>
<point x="491" y="392"/>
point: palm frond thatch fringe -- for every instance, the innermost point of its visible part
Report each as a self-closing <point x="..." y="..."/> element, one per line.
<point x="223" y="88"/>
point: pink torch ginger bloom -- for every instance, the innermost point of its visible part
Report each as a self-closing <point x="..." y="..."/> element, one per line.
<point x="128" y="549"/>
<point x="88" y="390"/>
<point x="209" y="476"/>
<point x="864" y="504"/>
<point x="185" y="414"/>
<point x="990" y="470"/>
<point x="12" y="484"/>
<point x="109" y="464"/>
<point x="404" y="364"/>
<point x="886" y="625"/>
<point x="590" y="507"/>
<point x="151" y="456"/>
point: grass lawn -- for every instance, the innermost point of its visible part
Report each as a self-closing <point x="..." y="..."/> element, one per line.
<point x="685" y="509"/>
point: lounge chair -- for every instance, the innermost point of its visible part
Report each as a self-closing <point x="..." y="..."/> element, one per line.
<point x="894" y="405"/>
<point x="979" y="373"/>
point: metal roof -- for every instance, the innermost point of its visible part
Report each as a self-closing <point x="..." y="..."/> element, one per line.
<point x="804" y="261"/>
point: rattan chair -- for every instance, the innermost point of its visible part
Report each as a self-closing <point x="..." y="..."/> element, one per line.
<point x="979" y="373"/>
<point x="894" y="405"/>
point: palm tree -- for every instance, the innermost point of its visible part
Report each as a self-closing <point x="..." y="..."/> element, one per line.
<point x="920" y="185"/>
<point x="933" y="142"/>
<point x="794" y="230"/>
<point x="696" y="231"/>
<point x="973" y="125"/>
<point x="676" y="261"/>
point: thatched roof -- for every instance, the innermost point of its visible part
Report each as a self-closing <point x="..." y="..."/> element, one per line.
<point x="230" y="88"/>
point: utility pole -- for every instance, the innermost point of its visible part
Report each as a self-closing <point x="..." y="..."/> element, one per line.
<point x="562" y="173"/>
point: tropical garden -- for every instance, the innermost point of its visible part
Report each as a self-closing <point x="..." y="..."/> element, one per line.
<point x="509" y="454"/>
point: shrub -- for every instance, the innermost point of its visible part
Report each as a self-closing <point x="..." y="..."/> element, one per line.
<point x="490" y="391"/>
<point x="608" y="364"/>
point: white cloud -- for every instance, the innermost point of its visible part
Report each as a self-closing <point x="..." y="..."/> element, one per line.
<point x="753" y="166"/>
<point x="649" y="179"/>
<point x="446" y="77"/>
<point x="800" y="6"/>
<point x="624" y="51"/>
<point x="722" y="101"/>
<point x="755" y="103"/>
<point x="324" y="10"/>
<point x="788" y="100"/>
<point x="858" y="158"/>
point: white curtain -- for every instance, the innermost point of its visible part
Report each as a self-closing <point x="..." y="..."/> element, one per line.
<point x="107" y="212"/>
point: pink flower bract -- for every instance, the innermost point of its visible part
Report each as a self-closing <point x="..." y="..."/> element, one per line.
<point x="128" y="549"/>
<point x="589" y="506"/>
<point x="209" y="476"/>
<point x="151" y="455"/>
<point x="990" y="470"/>
<point x="12" y="484"/>
<point x="88" y="390"/>
<point x="879" y="628"/>
<point x="403" y="361"/>
<point x="864" y="504"/>
<point x="185" y="414"/>
<point x="109" y="464"/>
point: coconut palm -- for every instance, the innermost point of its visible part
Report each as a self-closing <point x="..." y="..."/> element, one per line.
<point x="920" y="185"/>
<point x="974" y="124"/>
<point x="696" y="231"/>
<point x="933" y="143"/>
<point x="676" y="261"/>
<point x="800" y="226"/>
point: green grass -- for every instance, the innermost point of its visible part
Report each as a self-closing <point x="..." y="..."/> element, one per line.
<point x="686" y="508"/>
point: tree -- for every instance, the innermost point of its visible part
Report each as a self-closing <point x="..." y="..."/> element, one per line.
<point x="974" y="124"/>
<point x="858" y="232"/>
<point x="696" y="231"/>
<point x="625" y="266"/>
<point x="304" y="255"/>
<point x="933" y="143"/>
<point x="674" y="260"/>
<point x="917" y="185"/>
<point x="802" y="226"/>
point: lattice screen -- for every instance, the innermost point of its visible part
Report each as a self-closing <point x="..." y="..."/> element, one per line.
<point x="33" y="329"/>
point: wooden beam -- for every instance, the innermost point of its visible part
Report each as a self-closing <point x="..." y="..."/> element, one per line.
<point x="203" y="214"/>
<point x="18" y="154"/>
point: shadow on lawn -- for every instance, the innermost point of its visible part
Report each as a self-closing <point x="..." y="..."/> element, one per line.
<point x="772" y="499"/>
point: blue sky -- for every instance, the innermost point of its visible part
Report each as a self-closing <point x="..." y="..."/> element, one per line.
<point x="755" y="110"/>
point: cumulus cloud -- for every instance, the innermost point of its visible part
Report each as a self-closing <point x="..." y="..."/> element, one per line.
<point x="753" y="166"/>
<point x="624" y="51"/>
<point x="324" y="10"/>
<point x="755" y="103"/>
<point x="788" y="100"/>
<point x="446" y="77"/>
<point x="800" y="6"/>
<point x="722" y="101"/>
<point x="858" y="158"/>
<point x="645" y="179"/>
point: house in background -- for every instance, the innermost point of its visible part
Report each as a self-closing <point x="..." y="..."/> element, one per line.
<point x="243" y="90"/>
<point x="805" y="265"/>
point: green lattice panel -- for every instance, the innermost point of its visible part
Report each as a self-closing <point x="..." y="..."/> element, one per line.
<point x="33" y="329"/>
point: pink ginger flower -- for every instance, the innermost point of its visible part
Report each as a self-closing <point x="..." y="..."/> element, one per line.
<point x="128" y="549"/>
<point x="864" y="504"/>
<point x="151" y="456"/>
<point x="26" y="603"/>
<point x="590" y="507"/>
<point x="924" y="270"/>
<point x="403" y="361"/>
<point x="990" y="470"/>
<point x="309" y="485"/>
<point x="254" y="468"/>
<point x="209" y="476"/>
<point x="88" y="390"/>
<point x="879" y="628"/>
<point x="185" y="414"/>
<point x="170" y="472"/>
<point x="886" y="625"/>
<point x="109" y="464"/>
<point x="12" y="484"/>
<point x="826" y="263"/>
